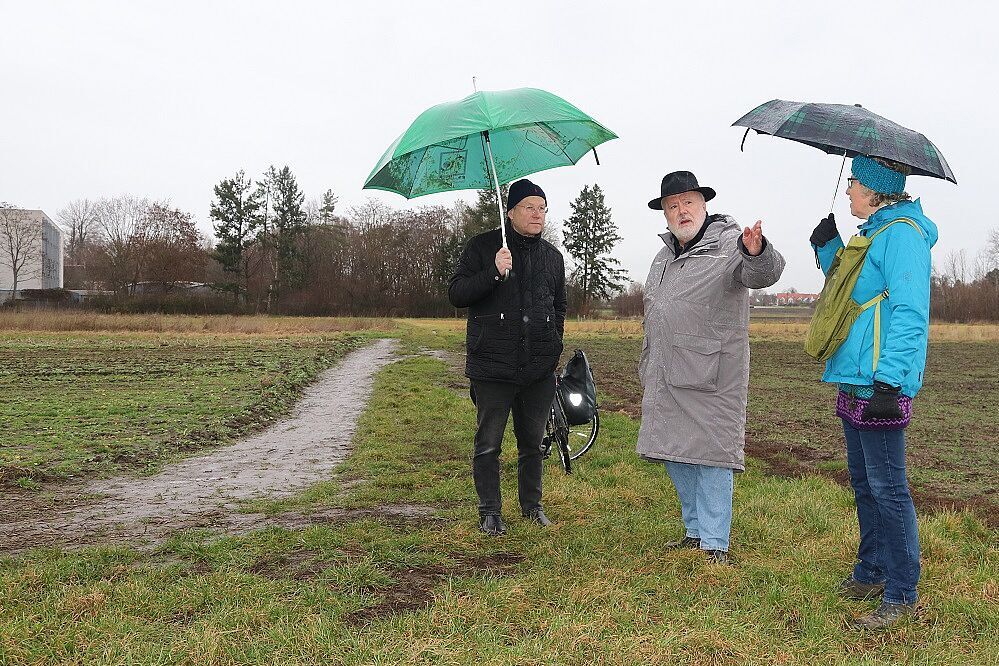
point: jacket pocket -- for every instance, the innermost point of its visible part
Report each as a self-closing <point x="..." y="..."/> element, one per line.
<point x="476" y="335"/>
<point x="488" y="333"/>
<point x="695" y="363"/>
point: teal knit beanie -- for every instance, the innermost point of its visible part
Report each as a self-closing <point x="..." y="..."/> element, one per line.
<point x="877" y="177"/>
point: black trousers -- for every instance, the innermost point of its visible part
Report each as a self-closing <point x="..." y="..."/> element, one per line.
<point x="531" y="405"/>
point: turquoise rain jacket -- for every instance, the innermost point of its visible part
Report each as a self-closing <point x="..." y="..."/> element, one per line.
<point x="899" y="261"/>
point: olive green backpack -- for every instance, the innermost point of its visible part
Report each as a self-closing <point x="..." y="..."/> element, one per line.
<point x="836" y="310"/>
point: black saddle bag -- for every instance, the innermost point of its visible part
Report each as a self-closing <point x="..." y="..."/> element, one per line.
<point x="577" y="390"/>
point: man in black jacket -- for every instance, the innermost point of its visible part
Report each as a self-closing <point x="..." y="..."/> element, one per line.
<point x="513" y="341"/>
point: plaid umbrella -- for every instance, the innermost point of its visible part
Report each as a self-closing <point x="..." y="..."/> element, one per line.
<point x="848" y="130"/>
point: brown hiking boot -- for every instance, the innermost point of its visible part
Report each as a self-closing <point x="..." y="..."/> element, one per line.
<point x="685" y="542"/>
<point x="885" y="616"/>
<point x="851" y="588"/>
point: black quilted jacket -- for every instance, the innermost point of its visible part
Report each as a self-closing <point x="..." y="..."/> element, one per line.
<point x="514" y="331"/>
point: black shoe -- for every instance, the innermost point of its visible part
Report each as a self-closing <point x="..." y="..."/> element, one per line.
<point x="538" y="516"/>
<point x="885" y="616"/>
<point x="851" y="588"/>
<point x="492" y="525"/>
<point x="685" y="542"/>
<point x="718" y="557"/>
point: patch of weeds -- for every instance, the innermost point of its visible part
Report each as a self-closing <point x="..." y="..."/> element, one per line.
<point x="27" y="483"/>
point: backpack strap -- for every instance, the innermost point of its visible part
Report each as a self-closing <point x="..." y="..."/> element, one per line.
<point x="898" y="219"/>
<point x="876" y="301"/>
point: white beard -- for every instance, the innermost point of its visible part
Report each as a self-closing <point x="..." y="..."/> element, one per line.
<point x="684" y="236"/>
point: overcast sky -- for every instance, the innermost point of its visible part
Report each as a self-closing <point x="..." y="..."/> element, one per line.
<point x="163" y="100"/>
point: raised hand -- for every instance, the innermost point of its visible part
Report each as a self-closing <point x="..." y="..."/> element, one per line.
<point x="504" y="260"/>
<point x="752" y="238"/>
<point x="824" y="232"/>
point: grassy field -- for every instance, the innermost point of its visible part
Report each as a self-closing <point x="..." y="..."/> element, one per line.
<point x="84" y="394"/>
<point x="953" y="442"/>
<point x="84" y="404"/>
<point x="383" y="565"/>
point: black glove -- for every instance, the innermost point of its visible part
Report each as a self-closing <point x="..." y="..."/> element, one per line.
<point x="824" y="232"/>
<point x="883" y="404"/>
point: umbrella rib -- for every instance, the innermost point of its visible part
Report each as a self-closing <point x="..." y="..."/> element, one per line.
<point x="551" y="131"/>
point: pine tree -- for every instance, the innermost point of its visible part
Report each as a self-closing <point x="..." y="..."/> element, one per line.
<point x="484" y="215"/>
<point x="284" y="221"/>
<point x="326" y="207"/>
<point x="237" y="214"/>
<point x="590" y="235"/>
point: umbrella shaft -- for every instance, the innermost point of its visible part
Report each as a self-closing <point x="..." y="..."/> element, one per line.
<point x="838" y="180"/>
<point x="499" y="197"/>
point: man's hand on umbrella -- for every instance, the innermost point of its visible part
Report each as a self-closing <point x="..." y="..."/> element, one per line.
<point x="504" y="260"/>
<point x="752" y="238"/>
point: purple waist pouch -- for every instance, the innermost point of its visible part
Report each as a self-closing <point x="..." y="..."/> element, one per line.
<point x="850" y="407"/>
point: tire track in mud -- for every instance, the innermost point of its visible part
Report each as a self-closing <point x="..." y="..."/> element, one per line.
<point x="204" y="491"/>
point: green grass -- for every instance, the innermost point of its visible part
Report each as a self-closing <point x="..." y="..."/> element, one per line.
<point x="952" y="443"/>
<point x="84" y="404"/>
<point x="598" y="587"/>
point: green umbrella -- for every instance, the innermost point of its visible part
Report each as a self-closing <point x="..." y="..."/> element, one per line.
<point x="486" y="139"/>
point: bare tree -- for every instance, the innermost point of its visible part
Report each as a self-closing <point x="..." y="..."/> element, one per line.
<point x="956" y="266"/>
<point x="372" y="213"/>
<point x="993" y="247"/>
<point x="124" y="225"/>
<point x="981" y="265"/>
<point x="20" y="244"/>
<point x="80" y="219"/>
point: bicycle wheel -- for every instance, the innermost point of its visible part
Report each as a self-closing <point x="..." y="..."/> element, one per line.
<point x="581" y="437"/>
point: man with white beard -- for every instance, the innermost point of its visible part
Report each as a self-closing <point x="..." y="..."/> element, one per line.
<point x="694" y="366"/>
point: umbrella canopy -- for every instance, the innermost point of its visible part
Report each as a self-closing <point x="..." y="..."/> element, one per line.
<point x="848" y="130"/>
<point x="448" y="146"/>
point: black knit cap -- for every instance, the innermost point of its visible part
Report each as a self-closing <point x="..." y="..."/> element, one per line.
<point x="522" y="189"/>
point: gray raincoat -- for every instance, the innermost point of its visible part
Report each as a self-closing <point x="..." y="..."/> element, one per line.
<point x="694" y="366"/>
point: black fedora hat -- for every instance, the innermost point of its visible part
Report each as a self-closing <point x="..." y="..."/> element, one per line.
<point x="677" y="182"/>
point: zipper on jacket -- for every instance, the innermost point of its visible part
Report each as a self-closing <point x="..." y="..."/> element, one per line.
<point x="680" y="268"/>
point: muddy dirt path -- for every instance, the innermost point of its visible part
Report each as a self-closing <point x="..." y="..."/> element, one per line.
<point x="204" y="491"/>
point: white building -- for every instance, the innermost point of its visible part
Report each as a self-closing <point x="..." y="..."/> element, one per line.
<point x="43" y="240"/>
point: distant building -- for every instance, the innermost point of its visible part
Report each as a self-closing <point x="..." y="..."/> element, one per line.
<point x="794" y="298"/>
<point x="43" y="268"/>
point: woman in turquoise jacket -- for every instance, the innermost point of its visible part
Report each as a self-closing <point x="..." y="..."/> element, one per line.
<point x="879" y="370"/>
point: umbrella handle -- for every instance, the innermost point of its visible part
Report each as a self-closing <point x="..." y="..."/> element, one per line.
<point x="838" y="179"/>
<point x="499" y="196"/>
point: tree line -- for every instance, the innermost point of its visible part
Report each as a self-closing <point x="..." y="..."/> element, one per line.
<point x="274" y="251"/>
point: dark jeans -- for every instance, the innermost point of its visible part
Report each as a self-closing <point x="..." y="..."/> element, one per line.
<point x="531" y="405"/>
<point x="889" y="541"/>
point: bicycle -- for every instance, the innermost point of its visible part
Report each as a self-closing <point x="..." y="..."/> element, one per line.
<point x="571" y="442"/>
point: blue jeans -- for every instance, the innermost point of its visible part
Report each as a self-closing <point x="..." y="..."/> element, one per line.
<point x="889" y="540"/>
<point x="705" y="502"/>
